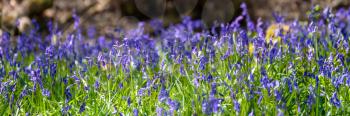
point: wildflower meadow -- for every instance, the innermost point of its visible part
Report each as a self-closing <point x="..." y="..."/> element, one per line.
<point x="244" y="67"/>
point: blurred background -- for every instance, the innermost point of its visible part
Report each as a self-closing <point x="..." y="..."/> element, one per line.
<point x="105" y="16"/>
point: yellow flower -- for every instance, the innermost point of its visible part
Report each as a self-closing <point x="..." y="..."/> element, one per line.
<point x="54" y="39"/>
<point x="271" y="35"/>
<point x="250" y="48"/>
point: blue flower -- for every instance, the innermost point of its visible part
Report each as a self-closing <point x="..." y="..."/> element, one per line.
<point x="46" y="92"/>
<point x="237" y="106"/>
<point x="68" y="94"/>
<point x="65" y="109"/>
<point x="136" y="112"/>
<point x="82" y="107"/>
<point x="174" y="105"/>
<point x="76" y="19"/>
<point x="49" y="51"/>
<point x="97" y="84"/>
<point x="163" y="95"/>
<point x="160" y="111"/>
<point x="206" y="108"/>
<point x="335" y="101"/>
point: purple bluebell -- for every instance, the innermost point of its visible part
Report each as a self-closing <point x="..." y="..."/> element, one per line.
<point x="46" y="92"/>
<point x="251" y="113"/>
<point x="23" y="93"/>
<point x="278" y="95"/>
<point x="36" y="78"/>
<point x="202" y="62"/>
<point x="251" y="77"/>
<point x="163" y="95"/>
<point x="86" y="88"/>
<point x="237" y="106"/>
<point x="206" y="108"/>
<point x="129" y="101"/>
<point x="278" y="18"/>
<point x="182" y="70"/>
<point x="76" y="79"/>
<point x="49" y="52"/>
<point x="290" y="86"/>
<point x="311" y="97"/>
<point x="213" y="88"/>
<point x="174" y="105"/>
<point x="243" y="6"/>
<point x="76" y="19"/>
<point x="338" y="81"/>
<point x="335" y="101"/>
<point x="97" y="84"/>
<point x="160" y="111"/>
<point x="196" y="82"/>
<point x="140" y="92"/>
<point x="136" y="112"/>
<point x="228" y="76"/>
<point x="53" y="70"/>
<point x="36" y="25"/>
<point x="280" y="113"/>
<point x="65" y="110"/>
<point x="68" y="94"/>
<point x="209" y="78"/>
<point x="120" y="85"/>
<point x="82" y="107"/>
<point x="14" y="74"/>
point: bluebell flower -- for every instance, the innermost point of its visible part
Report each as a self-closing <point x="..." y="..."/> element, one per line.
<point x="174" y="105"/>
<point x="136" y="112"/>
<point x="82" y="107"/>
<point x="327" y="13"/>
<point x="53" y="70"/>
<point x="5" y="38"/>
<point x="280" y="113"/>
<point x="76" y="19"/>
<point x="213" y="88"/>
<point x="196" y="83"/>
<point x="160" y="111"/>
<point x="251" y="113"/>
<point x="311" y="97"/>
<point x="335" y="101"/>
<point x="49" y="51"/>
<point x="23" y="93"/>
<point x="278" y="18"/>
<point x="338" y="81"/>
<point x="209" y="78"/>
<point x="68" y="94"/>
<point x="76" y="79"/>
<point x="278" y="95"/>
<point x="120" y="85"/>
<point x="251" y="77"/>
<point x="206" y="108"/>
<point x="215" y="105"/>
<point x="97" y="84"/>
<point x="65" y="109"/>
<point x="129" y="101"/>
<point x="36" y="25"/>
<point x="14" y="74"/>
<point x="163" y="95"/>
<point x="45" y="92"/>
<point x="243" y="6"/>
<point x="202" y="62"/>
<point x="237" y="106"/>
<point x="296" y="86"/>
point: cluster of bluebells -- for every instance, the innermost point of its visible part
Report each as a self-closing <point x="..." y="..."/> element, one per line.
<point x="227" y="69"/>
